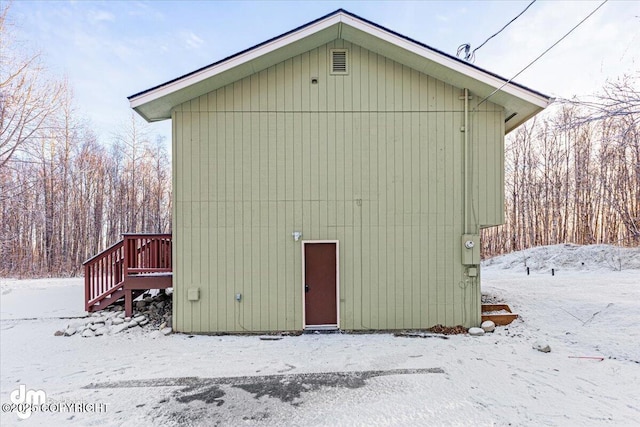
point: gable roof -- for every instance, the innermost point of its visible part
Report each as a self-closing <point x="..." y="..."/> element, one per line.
<point x="520" y="102"/>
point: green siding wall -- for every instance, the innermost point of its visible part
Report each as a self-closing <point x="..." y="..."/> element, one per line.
<point x="373" y="159"/>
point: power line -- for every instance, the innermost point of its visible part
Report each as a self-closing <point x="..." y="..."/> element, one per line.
<point x="543" y="53"/>
<point x="501" y="29"/>
<point x="470" y="56"/>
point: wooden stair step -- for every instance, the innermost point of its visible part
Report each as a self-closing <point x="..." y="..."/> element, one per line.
<point x="500" y="314"/>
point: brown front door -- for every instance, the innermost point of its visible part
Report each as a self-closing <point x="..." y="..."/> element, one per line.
<point x="320" y="284"/>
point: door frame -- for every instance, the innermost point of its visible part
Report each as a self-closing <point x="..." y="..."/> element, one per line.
<point x="304" y="314"/>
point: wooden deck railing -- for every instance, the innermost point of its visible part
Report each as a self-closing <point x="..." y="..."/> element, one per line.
<point x="135" y="255"/>
<point x="103" y="273"/>
<point x="147" y="253"/>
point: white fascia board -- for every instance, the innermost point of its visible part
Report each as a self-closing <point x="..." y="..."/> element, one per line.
<point x="234" y="62"/>
<point x="375" y="32"/>
<point x="445" y="61"/>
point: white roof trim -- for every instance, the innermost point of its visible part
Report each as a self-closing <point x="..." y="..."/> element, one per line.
<point x="458" y="68"/>
<point x="234" y="62"/>
<point x="444" y="60"/>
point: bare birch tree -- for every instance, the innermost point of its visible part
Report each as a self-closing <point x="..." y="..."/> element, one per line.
<point x="27" y="97"/>
<point x="573" y="176"/>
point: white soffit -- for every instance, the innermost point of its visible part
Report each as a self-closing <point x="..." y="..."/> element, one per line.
<point x="156" y="103"/>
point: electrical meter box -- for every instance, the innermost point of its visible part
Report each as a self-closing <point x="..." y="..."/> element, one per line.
<point x="471" y="249"/>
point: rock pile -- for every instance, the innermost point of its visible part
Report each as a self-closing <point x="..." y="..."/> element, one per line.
<point x="151" y="314"/>
<point x="157" y="309"/>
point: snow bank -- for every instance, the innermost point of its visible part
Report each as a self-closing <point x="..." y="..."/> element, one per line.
<point x="569" y="257"/>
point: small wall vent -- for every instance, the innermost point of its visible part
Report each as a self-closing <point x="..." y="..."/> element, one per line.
<point x="339" y="61"/>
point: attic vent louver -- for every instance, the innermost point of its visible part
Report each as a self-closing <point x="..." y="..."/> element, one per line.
<point x="339" y="61"/>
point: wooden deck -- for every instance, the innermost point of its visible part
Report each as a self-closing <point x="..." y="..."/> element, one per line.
<point x="136" y="263"/>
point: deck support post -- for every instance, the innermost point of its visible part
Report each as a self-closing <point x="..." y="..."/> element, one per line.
<point x="128" y="302"/>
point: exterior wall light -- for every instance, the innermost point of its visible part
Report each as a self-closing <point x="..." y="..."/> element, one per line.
<point x="296" y="235"/>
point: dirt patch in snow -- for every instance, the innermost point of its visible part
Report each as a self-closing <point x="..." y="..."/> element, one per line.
<point x="448" y="330"/>
<point x="331" y="379"/>
<point x="192" y="404"/>
<point x="211" y="394"/>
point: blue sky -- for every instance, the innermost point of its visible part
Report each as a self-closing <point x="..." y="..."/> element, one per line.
<point x="110" y="50"/>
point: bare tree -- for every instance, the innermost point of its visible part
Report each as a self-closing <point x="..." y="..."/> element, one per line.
<point x="574" y="174"/>
<point x="27" y="98"/>
<point x="63" y="195"/>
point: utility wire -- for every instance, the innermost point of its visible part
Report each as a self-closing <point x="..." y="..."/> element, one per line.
<point x="501" y="29"/>
<point x="543" y="53"/>
<point x="471" y="56"/>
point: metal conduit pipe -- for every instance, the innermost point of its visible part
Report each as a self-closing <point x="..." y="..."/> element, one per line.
<point x="466" y="162"/>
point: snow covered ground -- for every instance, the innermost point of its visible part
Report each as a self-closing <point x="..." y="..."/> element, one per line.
<point x="590" y="310"/>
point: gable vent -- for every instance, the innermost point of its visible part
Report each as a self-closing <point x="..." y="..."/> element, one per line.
<point x="339" y="61"/>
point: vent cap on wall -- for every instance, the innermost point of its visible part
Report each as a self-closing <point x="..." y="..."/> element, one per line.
<point x="339" y="61"/>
